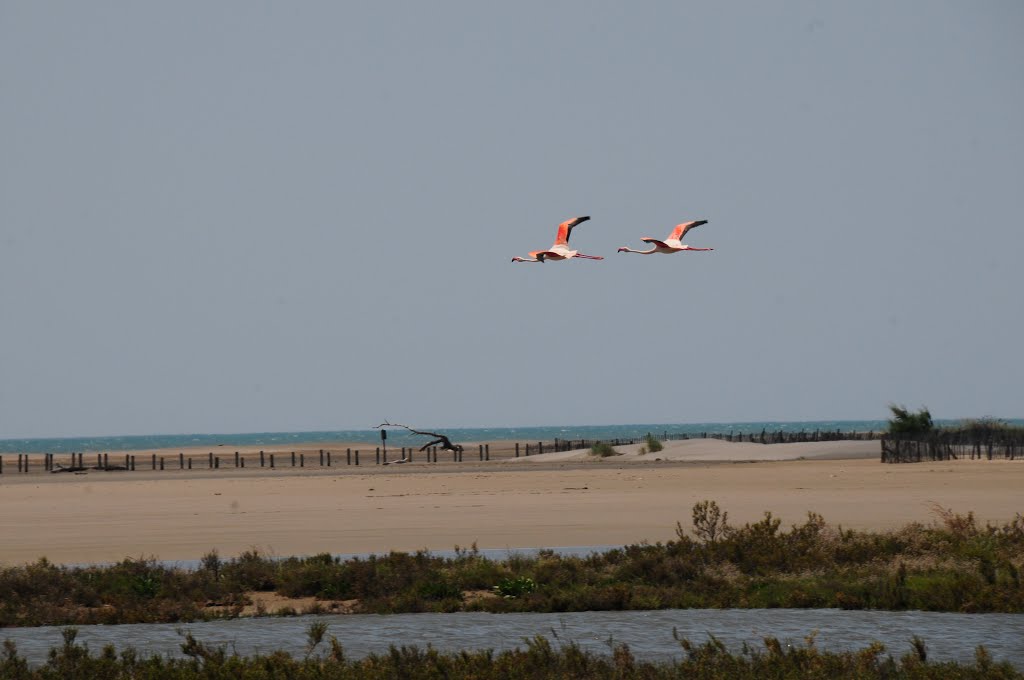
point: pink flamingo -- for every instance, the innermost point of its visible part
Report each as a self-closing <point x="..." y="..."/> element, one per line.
<point x="673" y="244"/>
<point x="560" y="250"/>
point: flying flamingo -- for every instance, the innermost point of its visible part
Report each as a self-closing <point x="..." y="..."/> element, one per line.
<point x="673" y="244"/>
<point x="560" y="250"/>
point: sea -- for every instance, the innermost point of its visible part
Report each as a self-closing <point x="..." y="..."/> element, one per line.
<point x="398" y="437"/>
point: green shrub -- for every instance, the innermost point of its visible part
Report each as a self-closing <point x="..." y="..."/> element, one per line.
<point x="603" y="449"/>
<point x="515" y="587"/>
<point x="653" y="444"/>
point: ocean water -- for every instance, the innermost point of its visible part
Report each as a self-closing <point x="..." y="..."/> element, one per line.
<point x="398" y="437"/>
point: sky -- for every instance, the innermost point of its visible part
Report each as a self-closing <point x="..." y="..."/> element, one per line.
<point x="260" y="216"/>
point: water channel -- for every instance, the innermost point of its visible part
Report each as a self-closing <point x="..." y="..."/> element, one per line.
<point x="648" y="633"/>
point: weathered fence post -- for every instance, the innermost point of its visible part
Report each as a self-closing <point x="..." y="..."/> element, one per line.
<point x="210" y="464"/>
<point x="321" y="457"/>
<point x="236" y="458"/>
<point x="271" y="461"/>
<point x="517" y="449"/>
<point x="378" y="456"/>
<point x="302" y="460"/>
<point x="481" y="451"/>
<point x="261" y="458"/>
<point x="293" y="459"/>
<point x="181" y="461"/>
<point x="487" y="451"/>
<point x="328" y="459"/>
<point x="190" y="462"/>
<point x="348" y="456"/>
<point x="357" y="457"/>
<point x="216" y="462"/>
<point x="161" y="462"/>
<point x="153" y="462"/>
<point x="540" y="447"/>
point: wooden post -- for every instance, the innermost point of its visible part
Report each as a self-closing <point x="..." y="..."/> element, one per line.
<point x="481" y="446"/>
<point x="302" y="460"/>
<point x="161" y="462"/>
<point x="2" y="465"/>
<point x="153" y="462"/>
<point x="321" y="457"/>
<point x="106" y="462"/>
<point x="243" y="463"/>
<point x="293" y="459"/>
<point x="181" y="461"/>
<point x="132" y="468"/>
<point x="190" y="462"/>
<point x="261" y="459"/>
<point x="378" y="455"/>
<point x="357" y="457"/>
<point x="210" y="464"/>
<point x="540" y="447"/>
<point x="236" y="458"/>
<point x="328" y="459"/>
<point x="348" y="456"/>
<point x="517" y="449"/>
<point x="271" y="461"/>
<point x="487" y="451"/>
<point x="216" y="462"/>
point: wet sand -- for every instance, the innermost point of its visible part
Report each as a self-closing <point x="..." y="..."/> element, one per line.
<point x="556" y="499"/>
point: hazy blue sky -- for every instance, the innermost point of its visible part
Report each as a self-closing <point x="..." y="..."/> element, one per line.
<point x="252" y="216"/>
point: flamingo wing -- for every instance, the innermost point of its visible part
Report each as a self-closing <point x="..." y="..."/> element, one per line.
<point x="680" y="231"/>
<point x="660" y="244"/>
<point x="565" y="229"/>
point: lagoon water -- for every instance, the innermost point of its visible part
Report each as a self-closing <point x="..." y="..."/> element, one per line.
<point x="648" y="633"/>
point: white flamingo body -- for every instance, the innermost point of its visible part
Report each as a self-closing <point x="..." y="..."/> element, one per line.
<point x="560" y="250"/>
<point x="672" y="244"/>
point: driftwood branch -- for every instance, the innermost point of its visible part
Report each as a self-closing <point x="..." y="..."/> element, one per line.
<point x="444" y="441"/>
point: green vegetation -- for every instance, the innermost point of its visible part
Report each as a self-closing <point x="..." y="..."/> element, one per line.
<point x="905" y="422"/>
<point x="536" y="659"/>
<point x="515" y="587"/>
<point x="951" y="565"/>
<point x="652" y="443"/>
<point x="603" y="449"/>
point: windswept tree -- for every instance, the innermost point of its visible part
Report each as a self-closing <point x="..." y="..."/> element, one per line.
<point x="905" y="422"/>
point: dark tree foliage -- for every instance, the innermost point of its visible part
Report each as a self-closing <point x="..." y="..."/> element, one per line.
<point x="905" y="422"/>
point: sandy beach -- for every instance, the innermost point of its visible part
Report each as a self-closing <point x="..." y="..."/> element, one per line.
<point x="554" y="499"/>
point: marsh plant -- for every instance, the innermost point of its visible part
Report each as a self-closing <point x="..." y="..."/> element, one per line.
<point x="951" y="564"/>
<point x="536" y="658"/>
<point x="652" y="443"/>
<point x="603" y="449"/>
